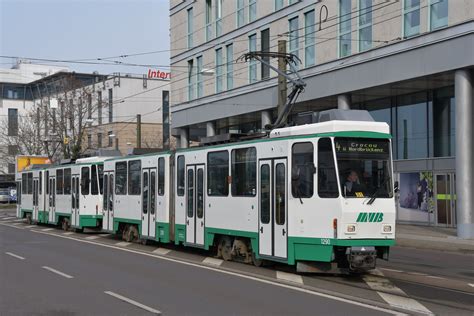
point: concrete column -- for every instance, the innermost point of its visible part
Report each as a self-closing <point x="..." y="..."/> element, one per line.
<point x="210" y="129"/>
<point x="266" y="118"/>
<point x="344" y="102"/>
<point x="464" y="153"/>
<point x="183" y="138"/>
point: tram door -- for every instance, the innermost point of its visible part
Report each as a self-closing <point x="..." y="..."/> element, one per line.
<point x="52" y="200"/>
<point x="273" y="211"/>
<point x="75" y="201"/>
<point x="108" y="202"/>
<point x="35" y="199"/>
<point x="195" y="205"/>
<point x="149" y="202"/>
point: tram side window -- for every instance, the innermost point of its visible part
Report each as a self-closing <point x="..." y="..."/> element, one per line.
<point x="180" y="176"/>
<point x="59" y="181"/>
<point x="30" y="183"/>
<point x="161" y="176"/>
<point x="46" y="175"/>
<point x="121" y="178"/>
<point x="134" y="177"/>
<point x="67" y="181"/>
<point x="244" y="171"/>
<point x="94" y="184"/>
<point x="302" y="170"/>
<point x="40" y="186"/>
<point x="85" y="180"/>
<point x="100" y="171"/>
<point x="23" y="183"/>
<point x="327" y="181"/>
<point x="218" y="173"/>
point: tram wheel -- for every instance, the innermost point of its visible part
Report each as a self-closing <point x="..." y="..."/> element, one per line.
<point x="29" y="220"/>
<point x="65" y="224"/>
<point x="256" y="262"/>
<point x="224" y="249"/>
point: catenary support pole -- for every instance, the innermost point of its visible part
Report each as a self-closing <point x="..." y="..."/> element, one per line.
<point x="266" y="118"/>
<point x="282" y="88"/>
<point x="183" y="138"/>
<point x="464" y="153"/>
<point x="210" y="129"/>
<point x="139" y="131"/>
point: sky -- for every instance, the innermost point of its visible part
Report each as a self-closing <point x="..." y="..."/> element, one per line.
<point x="86" y="29"/>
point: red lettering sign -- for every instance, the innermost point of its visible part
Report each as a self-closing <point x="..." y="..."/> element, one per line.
<point x="158" y="74"/>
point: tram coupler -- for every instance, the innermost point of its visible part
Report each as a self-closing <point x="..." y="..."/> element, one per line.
<point x="361" y="258"/>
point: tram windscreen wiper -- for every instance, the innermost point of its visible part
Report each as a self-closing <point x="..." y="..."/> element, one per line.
<point x="376" y="193"/>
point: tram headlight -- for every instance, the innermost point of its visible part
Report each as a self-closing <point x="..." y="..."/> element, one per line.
<point x="387" y="229"/>
<point x="351" y="229"/>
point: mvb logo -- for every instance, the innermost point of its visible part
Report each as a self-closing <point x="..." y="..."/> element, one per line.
<point x="369" y="217"/>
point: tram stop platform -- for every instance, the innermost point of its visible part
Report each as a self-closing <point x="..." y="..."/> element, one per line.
<point x="434" y="238"/>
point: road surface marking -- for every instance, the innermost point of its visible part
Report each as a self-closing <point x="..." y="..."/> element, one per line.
<point x="295" y="278"/>
<point x="16" y="256"/>
<point x="417" y="273"/>
<point x="130" y="301"/>
<point x="92" y="237"/>
<point x="30" y="226"/>
<point x="393" y="295"/>
<point x="58" y="272"/>
<point x="471" y="284"/>
<point x="68" y="233"/>
<point x="161" y="251"/>
<point x="15" y="224"/>
<point x="18" y="220"/>
<point x="123" y="244"/>
<point x="314" y="292"/>
<point x="391" y="270"/>
<point x="47" y="229"/>
<point x="435" y="277"/>
<point x="7" y="218"/>
<point x="212" y="261"/>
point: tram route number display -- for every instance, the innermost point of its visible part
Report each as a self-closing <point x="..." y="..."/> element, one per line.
<point x="361" y="146"/>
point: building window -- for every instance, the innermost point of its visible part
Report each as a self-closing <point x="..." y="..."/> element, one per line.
<point x="252" y="10"/>
<point x="294" y="38"/>
<point x="345" y="28"/>
<point x="265" y="47"/>
<point x="12" y="122"/>
<point x="67" y="181"/>
<point x="244" y="172"/>
<point x="302" y="170"/>
<point x="365" y="25"/>
<point x="411" y="17"/>
<point x="190" y="27"/>
<point x="438" y="14"/>
<point x="99" y="140"/>
<point x="11" y="168"/>
<point x="442" y="123"/>
<point x="199" y="84"/>
<point x="219" y="71"/>
<point x="208" y="20"/>
<point x="89" y="141"/>
<point x="12" y="150"/>
<point x="111" y="106"/>
<point x="229" y="66"/>
<point x="218" y="173"/>
<point x="111" y="139"/>
<point x="134" y="177"/>
<point x="89" y="106"/>
<point x="240" y="13"/>
<point x="121" y="178"/>
<point x="278" y="4"/>
<point x="327" y="181"/>
<point x="180" y="176"/>
<point x="309" y="39"/>
<point x="252" y="63"/>
<point x="190" y="80"/>
<point x="99" y="107"/>
<point x="218" y="18"/>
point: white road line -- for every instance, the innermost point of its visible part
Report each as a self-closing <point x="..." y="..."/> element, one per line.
<point x="68" y="233"/>
<point x="417" y="273"/>
<point x="18" y="220"/>
<point x="7" y="218"/>
<point x="213" y="261"/>
<point x="47" y="229"/>
<point x="58" y="272"/>
<point x="238" y="275"/>
<point x="30" y="226"/>
<point x="15" y="224"/>
<point x="435" y="277"/>
<point x="16" y="256"/>
<point x="161" y="251"/>
<point x="92" y="237"/>
<point x="123" y="244"/>
<point x="392" y="270"/>
<point x="130" y="301"/>
<point x="393" y="295"/>
<point x="471" y="284"/>
<point x="295" y="278"/>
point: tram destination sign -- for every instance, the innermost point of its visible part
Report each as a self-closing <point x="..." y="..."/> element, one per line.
<point x="362" y="146"/>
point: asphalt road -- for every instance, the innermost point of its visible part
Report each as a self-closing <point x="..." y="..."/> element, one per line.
<point x="69" y="274"/>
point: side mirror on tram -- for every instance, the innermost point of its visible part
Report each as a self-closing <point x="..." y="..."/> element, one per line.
<point x="395" y="187"/>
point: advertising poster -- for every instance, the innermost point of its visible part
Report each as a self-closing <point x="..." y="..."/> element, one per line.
<point x="416" y="202"/>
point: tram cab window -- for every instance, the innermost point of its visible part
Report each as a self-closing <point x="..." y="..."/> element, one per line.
<point x="23" y="183"/>
<point x="94" y="184"/>
<point x="134" y="177"/>
<point x="364" y="167"/>
<point x="244" y="171"/>
<point x="59" y="181"/>
<point x="161" y="176"/>
<point x="85" y="180"/>
<point x="180" y="176"/>
<point x="302" y="170"/>
<point x="218" y="173"/>
<point x="100" y="171"/>
<point x="121" y="178"/>
<point x="67" y="181"/>
<point x="327" y="180"/>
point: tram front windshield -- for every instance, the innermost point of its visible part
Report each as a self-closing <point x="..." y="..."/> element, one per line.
<point x="364" y="167"/>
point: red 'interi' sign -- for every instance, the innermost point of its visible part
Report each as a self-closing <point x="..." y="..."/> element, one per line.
<point x="158" y="74"/>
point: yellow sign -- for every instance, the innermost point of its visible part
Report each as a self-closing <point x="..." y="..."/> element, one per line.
<point x="359" y="194"/>
<point x="25" y="162"/>
<point x="66" y="140"/>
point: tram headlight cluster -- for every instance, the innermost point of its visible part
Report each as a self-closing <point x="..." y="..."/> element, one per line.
<point x="351" y="229"/>
<point x="387" y="229"/>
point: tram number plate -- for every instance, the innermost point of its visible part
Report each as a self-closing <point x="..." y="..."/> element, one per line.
<point x="325" y="241"/>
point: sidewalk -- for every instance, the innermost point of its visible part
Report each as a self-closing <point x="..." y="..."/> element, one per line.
<point x="433" y="238"/>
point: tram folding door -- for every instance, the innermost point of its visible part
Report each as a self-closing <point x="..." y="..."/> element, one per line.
<point x="35" y="215"/>
<point x="52" y="200"/>
<point x="108" y="202"/>
<point x="75" y="201"/>
<point x="195" y="205"/>
<point x="149" y="202"/>
<point x="273" y="210"/>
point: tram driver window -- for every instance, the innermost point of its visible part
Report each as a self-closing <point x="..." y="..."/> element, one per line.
<point x="121" y="178"/>
<point x="218" y="173"/>
<point x="244" y="171"/>
<point x="134" y="177"/>
<point x="327" y="181"/>
<point x="302" y="170"/>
